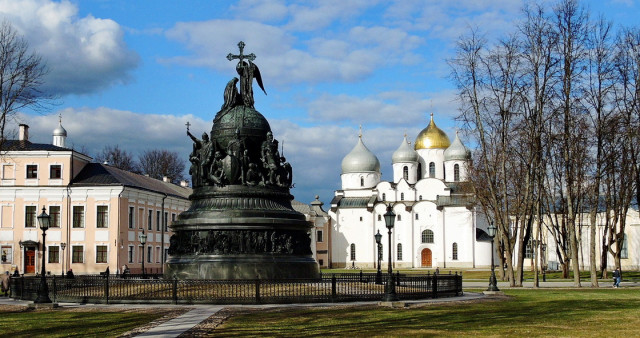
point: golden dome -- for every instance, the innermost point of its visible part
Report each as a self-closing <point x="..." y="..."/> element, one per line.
<point x="432" y="137"/>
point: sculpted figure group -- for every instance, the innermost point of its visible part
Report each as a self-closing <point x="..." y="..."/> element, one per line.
<point x="222" y="242"/>
<point x="213" y="165"/>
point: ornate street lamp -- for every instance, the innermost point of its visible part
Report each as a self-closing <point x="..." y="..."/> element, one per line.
<point x="390" y="288"/>
<point x="378" y="238"/>
<point x="544" y="262"/>
<point x="43" y="292"/>
<point x="143" y="241"/>
<point x="62" y="246"/>
<point x="493" y="283"/>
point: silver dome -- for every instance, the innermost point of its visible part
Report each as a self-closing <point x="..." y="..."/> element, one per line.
<point x="405" y="153"/>
<point x="457" y="151"/>
<point x="360" y="160"/>
<point x="59" y="131"/>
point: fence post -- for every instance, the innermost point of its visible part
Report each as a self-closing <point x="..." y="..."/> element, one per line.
<point x="434" y="286"/>
<point x="106" y="288"/>
<point x="333" y="287"/>
<point x="257" y="291"/>
<point x="175" y="291"/>
<point x="397" y="278"/>
<point x="54" y="288"/>
<point x="360" y="276"/>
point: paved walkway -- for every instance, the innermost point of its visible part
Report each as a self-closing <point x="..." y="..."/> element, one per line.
<point x="199" y="313"/>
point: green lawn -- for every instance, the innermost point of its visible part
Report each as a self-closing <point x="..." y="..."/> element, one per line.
<point x="62" y="323"/>
<point x="570" y="312"/>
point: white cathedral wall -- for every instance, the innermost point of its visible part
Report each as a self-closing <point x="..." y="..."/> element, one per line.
<point x="429" y="189"/>
<point x="448" y="167"/>
<point x="348" y="228"/>
<point x="353" y="180"/>
<point x="431" y="155"/>
<point x="412" y="172"/>
<point x="458" y="229"/>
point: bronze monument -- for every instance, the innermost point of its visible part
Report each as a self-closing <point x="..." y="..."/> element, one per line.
<point x="241" y="224"/>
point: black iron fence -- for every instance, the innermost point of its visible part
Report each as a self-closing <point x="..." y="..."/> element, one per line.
<point x="327" y="288"/>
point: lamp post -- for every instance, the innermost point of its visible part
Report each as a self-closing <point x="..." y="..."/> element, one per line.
<point x="543" y="262"/>
<point x="43" y="292"/>
<point x="143" y="241"/>
<point x="63" y="246"/>
<point x="493" y="283"/>
<point x="390" y="288"/>
<point x="378" y="238"/>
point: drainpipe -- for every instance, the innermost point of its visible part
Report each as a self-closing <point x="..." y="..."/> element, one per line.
<point x="162" y="234"/>
<point x="118" y="237"/>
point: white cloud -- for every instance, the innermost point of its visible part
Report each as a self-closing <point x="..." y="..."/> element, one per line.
<point x="84" y="55"/>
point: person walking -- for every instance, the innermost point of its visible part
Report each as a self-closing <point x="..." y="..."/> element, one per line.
<point x="617" y="278"/>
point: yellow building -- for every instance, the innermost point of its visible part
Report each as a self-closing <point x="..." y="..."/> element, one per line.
<point x="98" y="212"/>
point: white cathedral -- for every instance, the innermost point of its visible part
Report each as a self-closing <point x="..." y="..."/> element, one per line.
<point x="438" y="224"/>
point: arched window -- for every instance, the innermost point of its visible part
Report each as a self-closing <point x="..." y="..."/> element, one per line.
<point x="432" y="169"/>
<point x="419" y="170"/>
<point x="402" y="196"/>
<point x="405" y="173"/>
<point x="362" y="181"/>
<point x="427" y="236"/>
<point x="456" y="172"/>
<point x="454" y="251"/>
<point x="624" y="252"/>
<point x="420" y="198"/>
<point x="379" y="217"/>
<point x="353" y="252"/>
<point x="384" y="197"/>
<point x="399" y="217"/>
<point x="399" y="252"/>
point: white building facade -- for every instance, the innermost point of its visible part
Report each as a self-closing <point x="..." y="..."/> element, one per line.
<point x="438" y="224"/>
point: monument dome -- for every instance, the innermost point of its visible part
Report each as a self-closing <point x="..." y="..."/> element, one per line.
<point x="432" y="137"/>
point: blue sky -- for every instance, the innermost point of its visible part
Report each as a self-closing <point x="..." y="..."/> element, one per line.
<point x="133" y="73"/>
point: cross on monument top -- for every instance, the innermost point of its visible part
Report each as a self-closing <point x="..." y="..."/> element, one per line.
<point x="241" y="56"/>
<point x="188" y="125"/>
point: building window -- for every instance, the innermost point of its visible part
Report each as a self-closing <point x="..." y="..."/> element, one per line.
<point x="8" y="172"/>
<point x="166" y="254"/>
<point x="454" y="251"/>
<point x="102" y="216"/>
<point x="362" y="181"/>
<point x="166" y="220"/>
<point x="130" y="254"/>
<point x="379" y="217"/>
<point x="77" y="254"/>
<point x="32" y="171"/>
<point x="384" y="197"/>
<point x="399" y="217"/>
<point x="321" y="262"/>
<point x="158" y="254"/>
<point x="402" y="196"/>
<point x="432" y="169"/>
<point x="319" y="236"/>
<point x="30" y="216"/>
<point x="149" y="254"/>
<point x="173" y="219"/>
<point x="360" y="218"/>
<point x="624" y="251"/>
<point x="399" y="250"/>
<point x="54" y="254"/>
<point x="419" y="170"/>
<point x="427" y="236"/>
<point x="78" y="216"/>
<point x="456" y="172"/>
<point x="158" y="218"/>
<point x="149" y="221"/>
<point x="405" y="173"/>
<point x="529" y="249"/>
<point x="7" y="254"/>
<point x="420" y="198"/>
<point x="54" y="212"/>
<point x="101" y="254"/>
<point x="55" y="171"/>
<point x="353" y="251"/>
<point x="131" y="213"/>
<point x="417" y="217"/>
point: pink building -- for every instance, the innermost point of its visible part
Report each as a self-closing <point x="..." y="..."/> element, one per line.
<point x="98" y="212"/>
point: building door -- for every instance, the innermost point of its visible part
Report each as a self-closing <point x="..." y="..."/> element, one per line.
<point x="426" y="258"/>
<point x="30" y="260"/>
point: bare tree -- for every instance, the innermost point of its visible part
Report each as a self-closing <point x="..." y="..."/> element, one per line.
<point x="158" y="163"/>
<point x="117" y="157"/>
<point x="21" y="75"/>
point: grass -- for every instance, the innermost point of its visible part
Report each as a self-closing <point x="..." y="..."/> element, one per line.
<point x="567" y="312"/>
<point x="20" y="322"/>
